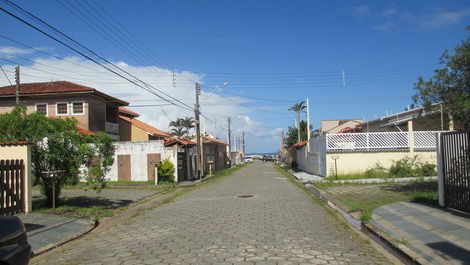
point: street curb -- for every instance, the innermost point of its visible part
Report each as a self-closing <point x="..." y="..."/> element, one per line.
<point x="77" y="235"/>
<point x="401" y="252"/>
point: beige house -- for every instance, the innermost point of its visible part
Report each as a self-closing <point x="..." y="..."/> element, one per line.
<point x="132" y="129"/>
<point x="94" y="111"/>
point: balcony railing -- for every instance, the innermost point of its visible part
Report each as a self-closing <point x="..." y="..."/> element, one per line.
<point x="111" y="127"/>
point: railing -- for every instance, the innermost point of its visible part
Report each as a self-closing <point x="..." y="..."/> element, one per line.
<point x="419" y="140"/>
<point x="111" y="127"/>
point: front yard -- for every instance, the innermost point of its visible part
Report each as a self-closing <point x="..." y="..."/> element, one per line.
<point x="362" y="199"/>
<point x="77" y="201"/>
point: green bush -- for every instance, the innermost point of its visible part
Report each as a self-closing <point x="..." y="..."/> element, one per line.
<point x="166" y="171"/>
<point x="411" y="167"/>
<point x="377" y="172"/>
<point x="404" y="167"/>
<point x="427" y="170"/>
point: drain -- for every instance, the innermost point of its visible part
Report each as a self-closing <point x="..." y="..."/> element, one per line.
<point x="245" y="196"/>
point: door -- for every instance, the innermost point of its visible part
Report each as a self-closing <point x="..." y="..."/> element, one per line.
<point x="152" y="159"/>
<point x="182" y="166"/>
<point x="124" y="167"/>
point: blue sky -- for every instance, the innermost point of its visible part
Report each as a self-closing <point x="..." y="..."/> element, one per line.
<point x="280" y="51"/>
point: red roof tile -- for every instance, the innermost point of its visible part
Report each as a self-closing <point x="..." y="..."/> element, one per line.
<point x="56" y="87"/>
<point x="13" y="143"/>
<point x="144" y="126"/>
<point x="299" y="144"/>
<point x="172" y="141"/>
<point x="84" y="131"/>
<point x="213" y="140"/>
<point x="127" y="111"/>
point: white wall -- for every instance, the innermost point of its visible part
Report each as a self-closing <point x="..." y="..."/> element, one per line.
<point x="313" y="162"/>
<point x="138" y="152"/>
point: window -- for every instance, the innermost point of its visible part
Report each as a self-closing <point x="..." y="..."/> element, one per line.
<point x="42" y="108"/>
<point x="61" y="109"/>
<point x="78" y="108"/>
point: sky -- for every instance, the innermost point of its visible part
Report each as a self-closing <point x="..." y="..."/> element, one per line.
<point x="352" y="59"/>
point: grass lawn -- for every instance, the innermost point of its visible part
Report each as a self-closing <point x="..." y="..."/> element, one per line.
<point x="89" y="206"/>
<point x="96" y="207"/>
<point x="364" y="198"/>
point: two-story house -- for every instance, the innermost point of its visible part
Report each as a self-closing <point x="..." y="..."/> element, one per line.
<point x="94" y="111"/>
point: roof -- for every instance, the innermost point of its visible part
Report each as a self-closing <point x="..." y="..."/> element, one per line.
<point x="84" y="131"/>
<point x="13" y="143"/>
<point x="144" y="126"/>
<point x="299" y="144"/>
<point x="172" y="141"/>
<point x="127" y="111"/>
<point x="214" y="140"/>
<point x="54" y="88"/>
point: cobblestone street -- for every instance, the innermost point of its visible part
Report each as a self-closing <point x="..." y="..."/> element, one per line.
<point x="280" y="224"/>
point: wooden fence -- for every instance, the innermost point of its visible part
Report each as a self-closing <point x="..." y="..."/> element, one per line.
<point x="12" y="187"/>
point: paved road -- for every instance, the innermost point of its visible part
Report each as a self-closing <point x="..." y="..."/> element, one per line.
<point x="279" y="225"/>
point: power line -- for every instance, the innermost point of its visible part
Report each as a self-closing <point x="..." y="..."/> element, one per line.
<point x="6" y="75"/>
<point x="86" y="56"/>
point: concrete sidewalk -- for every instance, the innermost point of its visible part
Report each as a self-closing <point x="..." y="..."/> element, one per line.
<point x="305" y="177"/>
<point x="46" y="231"/>
<point x="429" y="234"/>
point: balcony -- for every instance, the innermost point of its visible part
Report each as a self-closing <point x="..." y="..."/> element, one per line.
<point x="111" y="127"/>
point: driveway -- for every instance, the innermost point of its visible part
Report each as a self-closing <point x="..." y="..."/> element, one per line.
<point x="279" y="224"/>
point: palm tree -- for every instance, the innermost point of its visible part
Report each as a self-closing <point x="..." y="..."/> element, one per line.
<point x="298" y="108"/>
<point x="179" y="131"/>
<point x="178" y="127"/>
<point x="188" y="123"/>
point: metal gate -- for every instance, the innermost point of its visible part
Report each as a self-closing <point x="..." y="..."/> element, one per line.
<point x="455" y="155"/>
<point x="12" y="189"/>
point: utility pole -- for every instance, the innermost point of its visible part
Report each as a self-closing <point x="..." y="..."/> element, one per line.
<point x="198" y="133"/>
<point x="17" y="79"/>
<point x="243" y="142"/>
<point x="229" y="132"/>
<point x="308" y="126"/>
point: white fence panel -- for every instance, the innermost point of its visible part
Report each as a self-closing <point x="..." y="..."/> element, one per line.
<point x="425" y="139"/>
<point x="380" y="141"/>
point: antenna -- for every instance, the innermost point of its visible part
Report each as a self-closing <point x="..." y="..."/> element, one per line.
<point x="174" y="79"/>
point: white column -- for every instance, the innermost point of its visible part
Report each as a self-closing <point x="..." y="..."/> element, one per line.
<point x="308" y="126"/>
<point x="440" y="171"/>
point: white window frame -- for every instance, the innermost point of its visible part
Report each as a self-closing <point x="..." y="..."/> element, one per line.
<point x="57" y="109"/>
<point x="47" y="108"/>
<point x="83" y="109"/>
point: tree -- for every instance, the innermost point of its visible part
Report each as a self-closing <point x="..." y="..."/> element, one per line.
<point x="450" y="85"/>
<point x="57" y="145"/>
<point x="188" y="123"/>
<point x="292" y="134"/>
<point x="179" y="127"/>
<point x="298" y="108"/>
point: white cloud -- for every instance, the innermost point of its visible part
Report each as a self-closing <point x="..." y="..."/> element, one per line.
<point x="214" y="106"/>
<point x="438" y="19"/>
<point x="390" y="12"/>
<point x="388" y="25"/>
<point x="12" y="51"/>
<point x="360" y="11"/>
<point x="428" y="20"/>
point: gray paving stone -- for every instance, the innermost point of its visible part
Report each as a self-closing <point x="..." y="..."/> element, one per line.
<point x="279" y="225"/>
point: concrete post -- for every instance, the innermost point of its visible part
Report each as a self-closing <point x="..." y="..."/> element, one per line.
<point x="28" y="182"/>
<point x="411" y="139"/>
<point x="440" y="172"/>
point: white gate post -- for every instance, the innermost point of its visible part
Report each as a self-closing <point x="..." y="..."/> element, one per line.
<point x="440" y="172"/>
